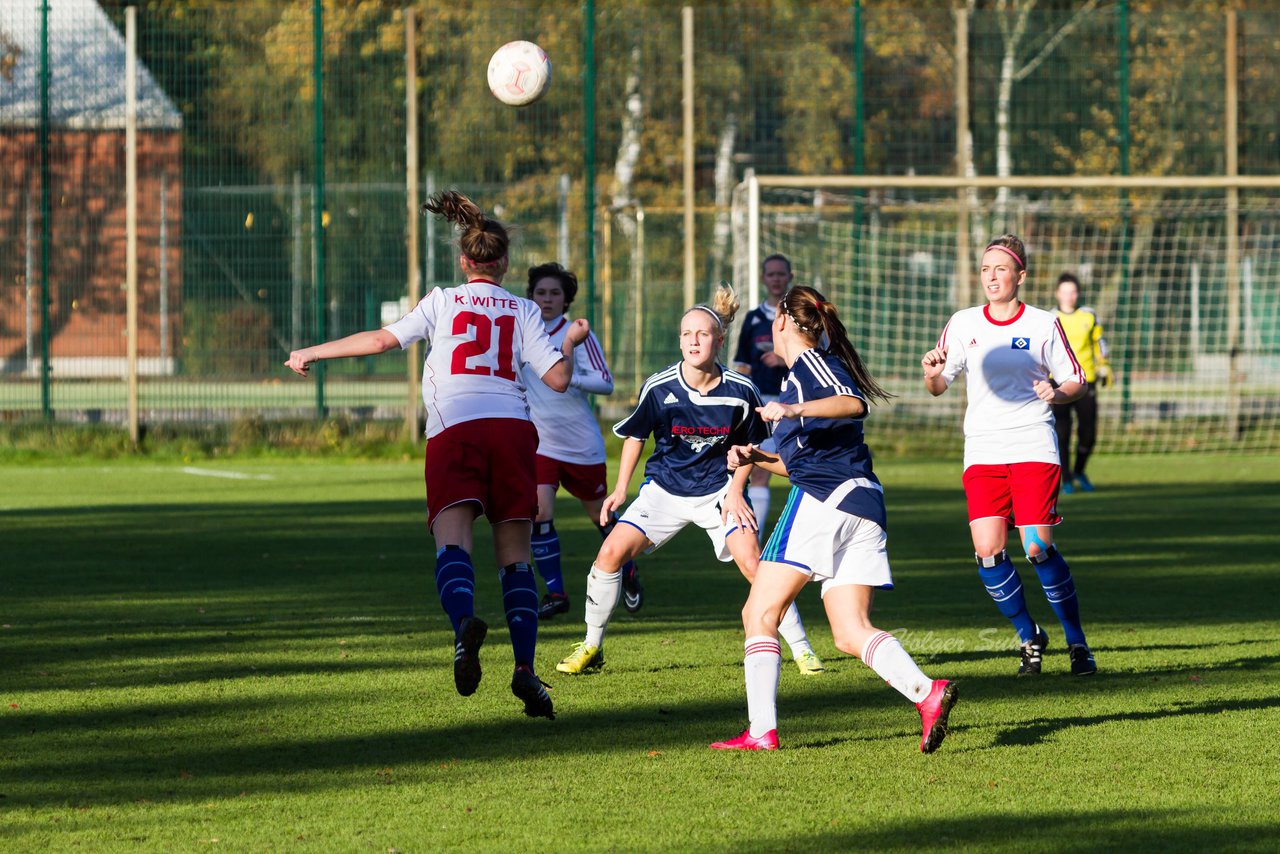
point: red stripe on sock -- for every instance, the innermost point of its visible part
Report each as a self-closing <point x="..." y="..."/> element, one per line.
<point x="872" y="645"/>
<point x="765" y="647"/>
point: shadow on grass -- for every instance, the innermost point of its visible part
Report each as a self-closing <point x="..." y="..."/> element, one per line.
<point x="1036" y="731"/>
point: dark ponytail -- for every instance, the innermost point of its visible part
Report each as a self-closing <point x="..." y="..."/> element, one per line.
<point x="483" y="241"/>
<point x="814" y="317"/>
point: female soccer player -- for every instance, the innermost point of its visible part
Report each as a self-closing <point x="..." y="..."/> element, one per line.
<point x="480" y="448"/>
<point x="1084" y="334"/>
<point x="833" y="526"/>
<point x="1011" y="466"/>
<point x="570" y="447"/>
<point x="696" y="410"/>
<point x="755" y="358"/>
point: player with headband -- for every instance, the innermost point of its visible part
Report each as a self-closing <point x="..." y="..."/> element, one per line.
<point x="1018" y="363"/>
<point x="696" y="410"/>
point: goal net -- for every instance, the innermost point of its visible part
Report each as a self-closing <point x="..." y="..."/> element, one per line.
<point x="1191" y="316"/>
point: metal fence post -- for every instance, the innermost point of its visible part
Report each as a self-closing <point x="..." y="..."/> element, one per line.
<point x="46" y="237"/>
<point x="589" y="148"/>
<point x="318" y="209"/>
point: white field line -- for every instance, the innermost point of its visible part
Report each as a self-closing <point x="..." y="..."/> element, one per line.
<point x="232" y="475"/>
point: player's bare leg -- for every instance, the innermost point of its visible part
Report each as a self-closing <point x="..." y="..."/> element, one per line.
<point x="745" y="550"/>
<point x="849" y="612"/>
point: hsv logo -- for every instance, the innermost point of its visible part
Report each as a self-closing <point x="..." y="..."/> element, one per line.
<point x="1021" y="344"/>
<point x="700" y="437"/>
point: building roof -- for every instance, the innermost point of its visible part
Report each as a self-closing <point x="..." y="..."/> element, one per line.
<point x="87" y="65"/>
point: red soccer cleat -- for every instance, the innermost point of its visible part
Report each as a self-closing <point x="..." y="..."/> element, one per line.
<point x="934" y="710"/>
<point x="746" y="741"/>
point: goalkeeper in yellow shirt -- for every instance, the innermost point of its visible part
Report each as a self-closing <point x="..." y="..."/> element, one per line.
<point x="1084" y="334"/>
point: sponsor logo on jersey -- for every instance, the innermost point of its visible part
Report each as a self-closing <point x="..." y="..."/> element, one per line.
<point x="698" y="438"/>
<point x="1021" y="344"/>
<point x="670" y="398"/>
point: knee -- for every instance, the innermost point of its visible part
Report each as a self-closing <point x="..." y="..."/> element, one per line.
<point x="611" y="556"/>
<point x="1035" y="545"/>
<point x="847" y="644"/>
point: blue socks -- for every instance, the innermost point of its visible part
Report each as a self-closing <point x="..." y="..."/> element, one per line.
<point x="1005" y="587"/>
<point x="456" y="584"/>
<point x="1060" y="590"/>
<point x="546" y="554"/>
<point x="520" y="601"/>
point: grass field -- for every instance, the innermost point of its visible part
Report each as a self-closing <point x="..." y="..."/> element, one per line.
<point x="195" y="662"/>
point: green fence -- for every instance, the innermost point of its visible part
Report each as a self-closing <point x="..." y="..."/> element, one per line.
<point x="264" y="223"/>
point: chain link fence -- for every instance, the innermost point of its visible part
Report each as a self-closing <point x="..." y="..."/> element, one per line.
<point x="272" y="148"/>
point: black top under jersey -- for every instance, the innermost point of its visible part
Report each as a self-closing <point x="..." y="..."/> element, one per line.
<point x="692" y="431"/>
<point x="755" y="340"/>
<point x="822" y="455"/>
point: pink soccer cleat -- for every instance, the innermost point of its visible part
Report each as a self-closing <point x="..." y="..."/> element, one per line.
<point x="746" y="741"/>
<point x="934" y="710"/>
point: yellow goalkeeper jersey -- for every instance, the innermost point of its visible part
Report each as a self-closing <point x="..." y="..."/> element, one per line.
<point x="1084" y="334"/>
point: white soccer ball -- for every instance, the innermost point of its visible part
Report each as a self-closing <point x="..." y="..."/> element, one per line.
<point x="519" y="73"/>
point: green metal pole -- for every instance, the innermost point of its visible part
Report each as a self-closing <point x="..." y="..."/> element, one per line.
<point x="317" y="209"/>
<point x="859" y="144"/>
<point x="46" y="407"/>
<point x="1126" y="346"/>
<point x="589" y="149"/>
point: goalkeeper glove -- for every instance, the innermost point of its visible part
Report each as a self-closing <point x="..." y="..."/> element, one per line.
<point x="1104" y="377"/>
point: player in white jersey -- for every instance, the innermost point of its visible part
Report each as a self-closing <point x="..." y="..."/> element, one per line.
<point x="570" y="446"/>
<point x="695" y="410"/>
<point x="1009" y="352"/>
<point x="834" y="526"/>
<point x="480" y="442"/>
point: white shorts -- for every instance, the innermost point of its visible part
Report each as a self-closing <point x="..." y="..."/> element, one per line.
<point x="826" y="543"/>
<point x="660" y="516"/>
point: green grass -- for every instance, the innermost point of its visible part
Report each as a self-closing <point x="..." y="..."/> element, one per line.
<point x="192" y="662"/>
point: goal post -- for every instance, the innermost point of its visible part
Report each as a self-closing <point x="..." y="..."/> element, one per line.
<point x="1183" y="273"/>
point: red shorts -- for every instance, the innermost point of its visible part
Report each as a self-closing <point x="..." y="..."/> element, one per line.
<point x="489" y="461"/>
<point x="1025" y="494"/>
<point x="585" y="482"/>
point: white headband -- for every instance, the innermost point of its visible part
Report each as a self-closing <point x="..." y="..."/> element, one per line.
<point x="711" y="312"/>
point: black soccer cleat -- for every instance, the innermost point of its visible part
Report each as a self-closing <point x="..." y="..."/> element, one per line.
<point x="552" y="604"/>
<point x="466" y="655"/>
<point x="1032" y="652"/>
<point x="1082" y="663"/>
<point x="528" y="688"/>
<point x="632" y="590"/>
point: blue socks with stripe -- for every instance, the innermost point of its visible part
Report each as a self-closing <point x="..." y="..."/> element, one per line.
<point x="520" y="601"/>
<point x="1060" y="590"/>
<point x="456" y="584"/>
<point x="546" y="555"/>
<point x="1005" y="588"/>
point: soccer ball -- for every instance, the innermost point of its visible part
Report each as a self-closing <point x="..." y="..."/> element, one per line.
<point x="519" y="73"/>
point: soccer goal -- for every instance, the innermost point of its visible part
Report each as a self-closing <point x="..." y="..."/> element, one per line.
<point x="1183" y="273"/>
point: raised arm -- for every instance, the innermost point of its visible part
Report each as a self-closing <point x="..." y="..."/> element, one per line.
<point x="367" y="343"/>
<point x="933" y="363"/>
<point x="558" y="375"/>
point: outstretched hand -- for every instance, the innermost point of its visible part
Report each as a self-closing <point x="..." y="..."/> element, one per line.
<point x="300" y="361"/>
<point x="775" y="411"/>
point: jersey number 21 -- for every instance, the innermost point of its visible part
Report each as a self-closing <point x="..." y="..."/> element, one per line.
<point x="479" y="345"/>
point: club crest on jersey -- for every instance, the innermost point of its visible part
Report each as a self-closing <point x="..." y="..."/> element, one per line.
<point x="1021" y="344"/>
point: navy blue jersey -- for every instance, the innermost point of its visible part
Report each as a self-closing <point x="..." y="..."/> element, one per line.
<point x="692" y="431"/>
<point x="755" y="340"/>
<point x="824" y="456"/>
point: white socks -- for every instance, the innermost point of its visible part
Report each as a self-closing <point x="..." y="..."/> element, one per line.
<point x="759" y="497"/>
<point x="883" y="654"/>
<point x="763" y="664"/>
<point x="792" y="631"/>
<point x="603" y="589"/>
